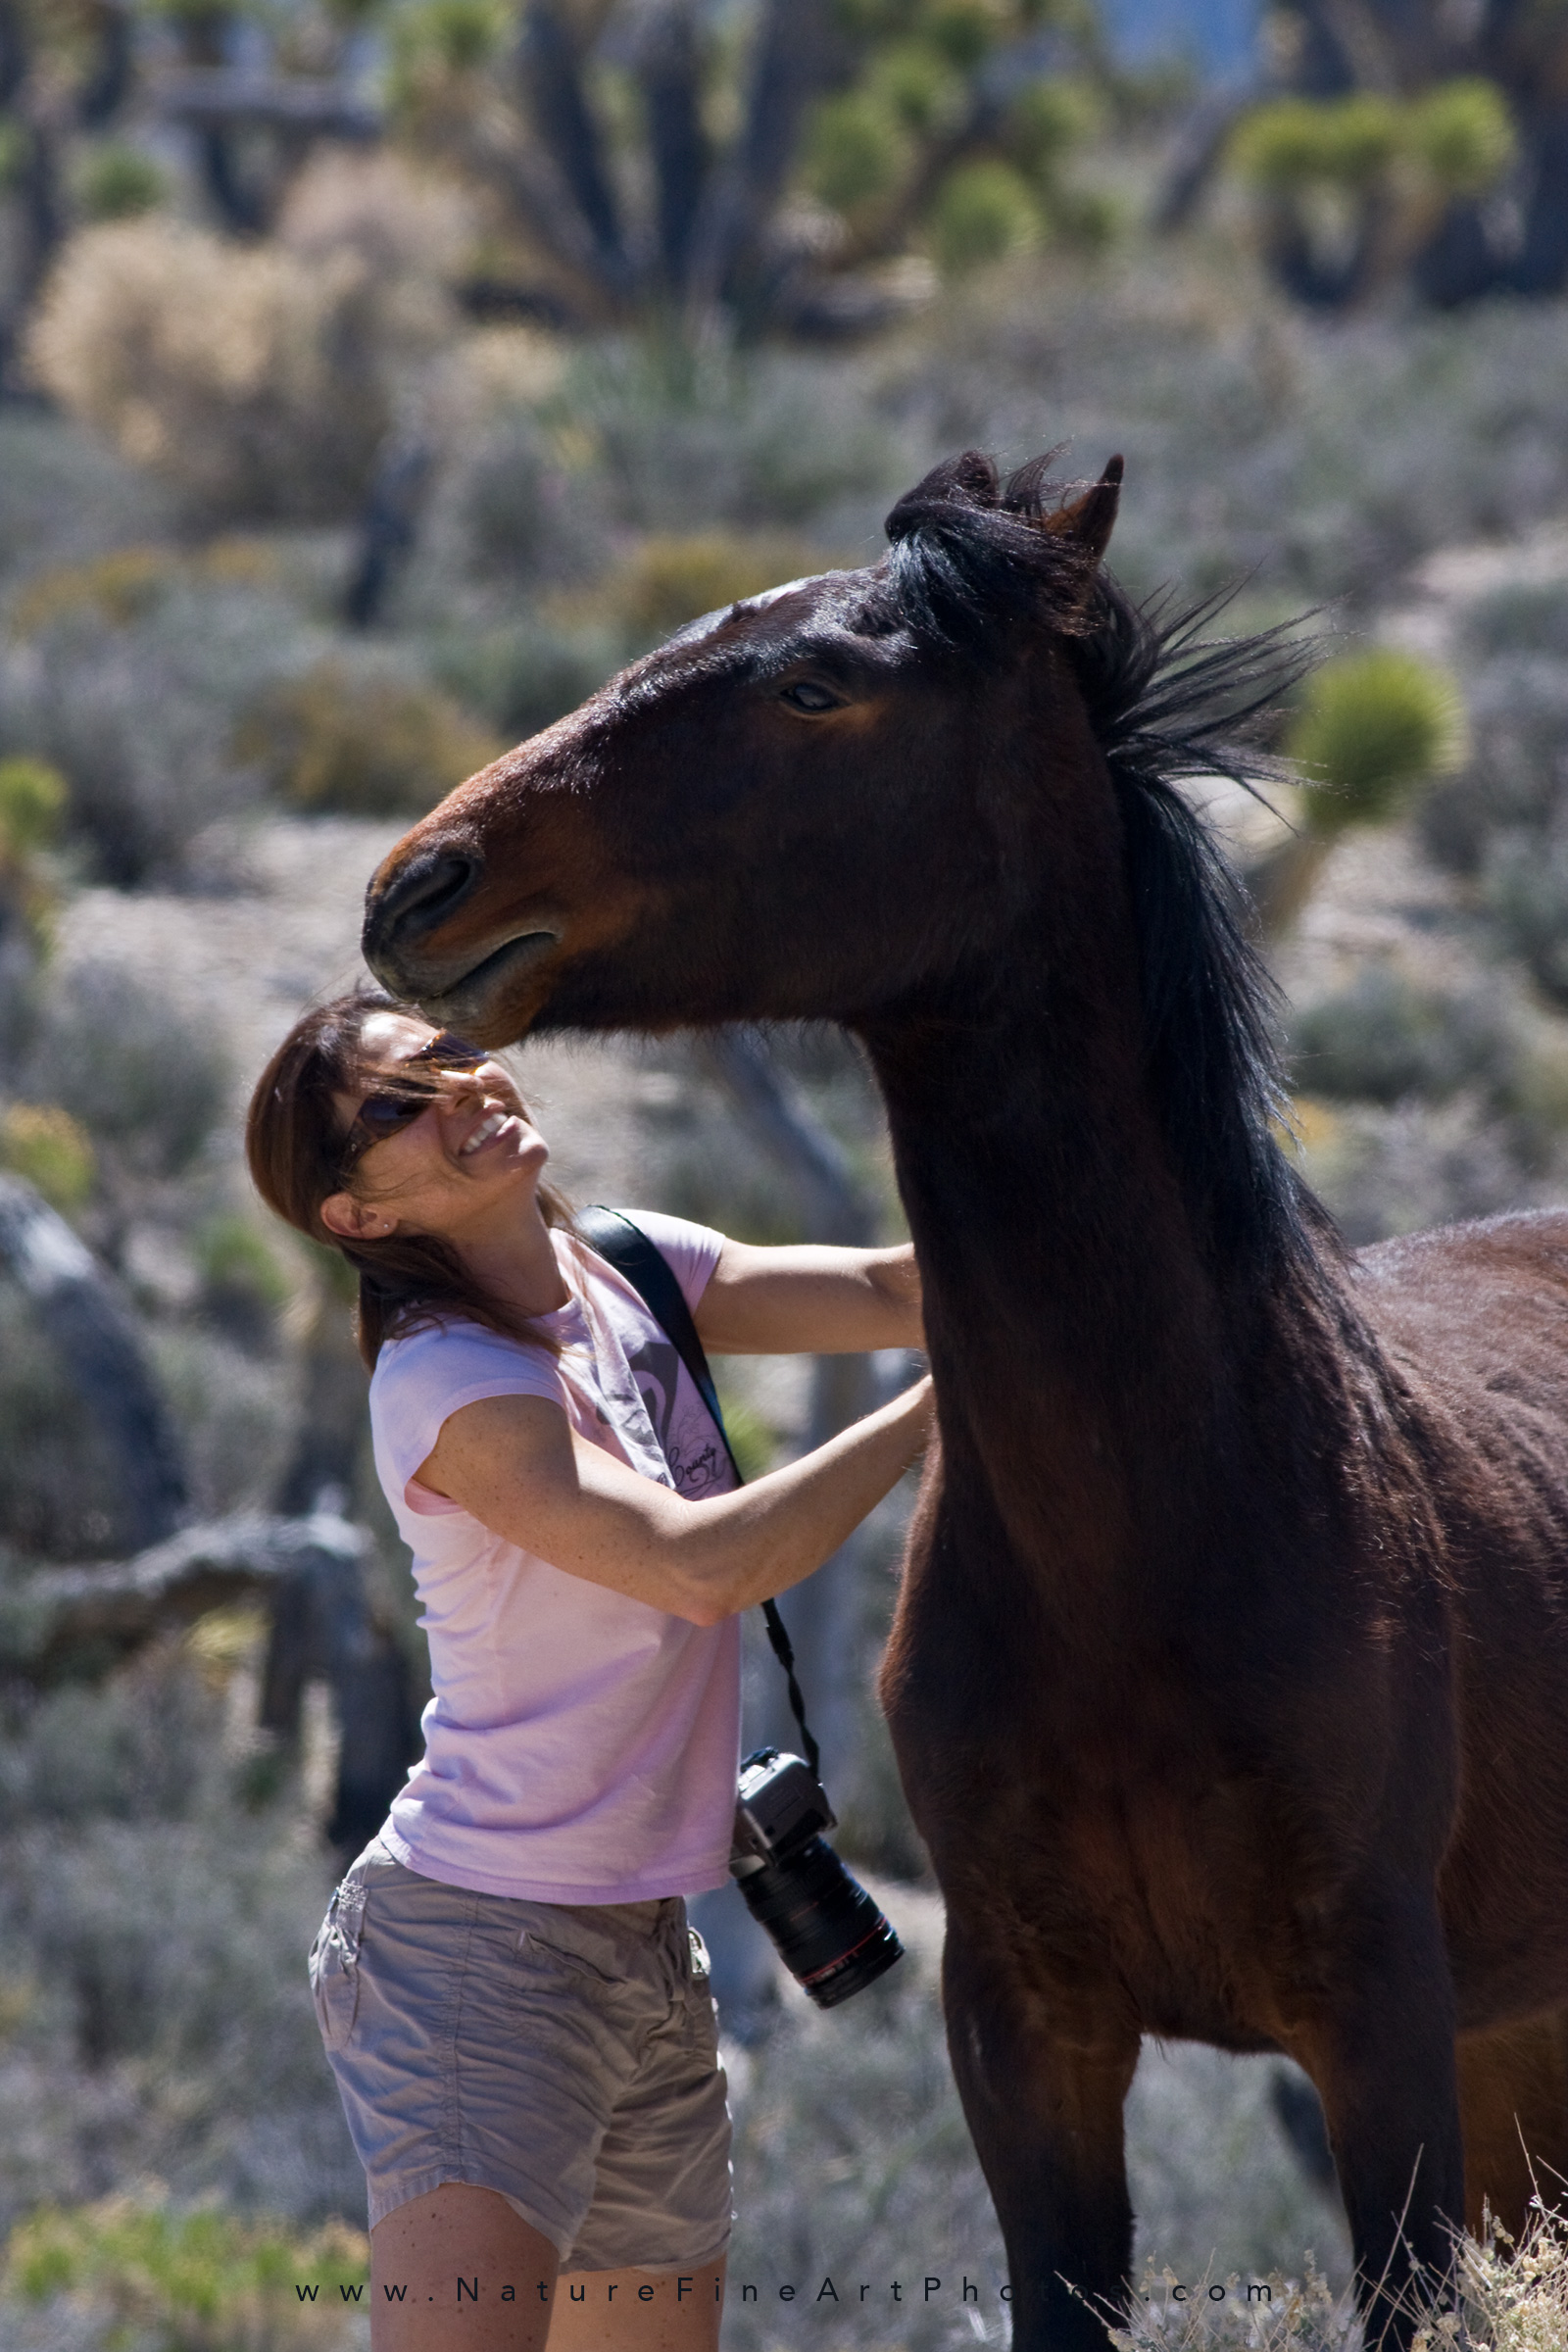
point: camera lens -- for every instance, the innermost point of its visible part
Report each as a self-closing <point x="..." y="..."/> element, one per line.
<point x="830" y="1934"/>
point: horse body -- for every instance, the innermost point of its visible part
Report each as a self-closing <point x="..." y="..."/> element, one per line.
<point x="1230" y="1666"/>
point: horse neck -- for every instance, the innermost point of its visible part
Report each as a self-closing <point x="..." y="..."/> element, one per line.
<point x="1093" y="1369"/>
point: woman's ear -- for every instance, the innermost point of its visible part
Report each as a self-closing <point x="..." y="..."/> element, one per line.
<point x="355" y="1220"/>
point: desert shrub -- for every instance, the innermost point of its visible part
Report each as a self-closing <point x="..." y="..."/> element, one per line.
<point x="983" y="211"/>
<point x="1390" y="1168"/>
<point x="118" y="182"/>
<point x="197" y="2280"/>
<point x="143" y="1080"/>
<point x="669" y="581"/>
<point x="32" y="802"/>
<point x="256" y="380"/>
<point x="242" y="1285"/>
<point x="66" y="495"/>
<point x="236" y="1411"/>
<point x="129" y="678"/>
<point x="684" y="439"/>
<point x="1372" y="727"/>
<point x="1517" y="773"/>
<point x="525" y="676"/>
<point x="1529" y="616"/>
<point x="410" y="231"/>
<point x="1258" y="442"/>
<point x="143" y="1746"/>
<point x="1457" y="134"/>
<point x="1524" y="880"/>
<point x="50" y="1150"/>
<point x="1382" y="1038"/>
<point x="517" y="514"/>
<point x="157" y="1918"/>
<point x="361" y="741"/>
<point x="61" y="1483"/>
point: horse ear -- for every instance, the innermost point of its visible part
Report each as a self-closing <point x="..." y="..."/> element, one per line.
<point x="1089" y="520"/>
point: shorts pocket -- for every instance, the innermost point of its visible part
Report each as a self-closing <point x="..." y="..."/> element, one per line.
<point x="334" y="1963"/>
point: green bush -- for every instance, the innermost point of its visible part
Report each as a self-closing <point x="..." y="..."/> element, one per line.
<point x="361" y="743"/>
<point x="1527" y="616"/>
<point x="1517" y="775"/>
<point x="1459" y="134"/>
<point x="243" y="1287"/>
<point x="1464" y="135"/>
<point x="982" y="212"/>
<point x="918" y="86"/>
<point x="61" y="1483"/>
<point x="1372" y="727"/>
<point x="1384" y="1038"/>
<point x="257" y="381"/>
<point x="527" y="676"/>
<point x="1524" y="881"/>
<point x="668" y="581"/>
<point x="144" y="1082"/>
<point x="49" y="1150"/>
<point x="33" y="800"/>
<point x="1046" y="122"/>
<point x="857" y="151"/>
<point x="1348" y="142"/>
<point x="118" y="181"/>
<point x="525" y="518"/>
<point x="198" y="2280"/>
<point x="137" y="666"/>
<point x="435" y="41"/>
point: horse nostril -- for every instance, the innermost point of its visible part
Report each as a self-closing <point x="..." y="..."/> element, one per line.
<point x="420" y="898"/>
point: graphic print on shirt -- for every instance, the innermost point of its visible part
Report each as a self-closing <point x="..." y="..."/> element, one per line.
<point x="695" y="1458"/>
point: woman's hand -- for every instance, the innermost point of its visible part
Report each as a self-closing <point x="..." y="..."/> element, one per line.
<point x="811" y="1300"/>
<point x="516" y="1465"/>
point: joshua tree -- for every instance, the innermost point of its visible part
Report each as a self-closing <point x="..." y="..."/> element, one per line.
<point x="637" y="161"/>
<point x="1426" y="140"/>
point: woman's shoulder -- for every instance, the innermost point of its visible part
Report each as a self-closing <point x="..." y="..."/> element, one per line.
<point x="690" y="1250"/>
<point x="440" y="1358"/>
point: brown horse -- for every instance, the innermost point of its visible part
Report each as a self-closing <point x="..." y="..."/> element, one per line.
<point x="1230" y="1677"/>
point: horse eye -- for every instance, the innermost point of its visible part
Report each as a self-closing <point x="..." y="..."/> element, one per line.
<point x="807" y="695"/>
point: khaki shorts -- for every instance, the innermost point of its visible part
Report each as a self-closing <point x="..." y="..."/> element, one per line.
<point x="565" y="2055"/>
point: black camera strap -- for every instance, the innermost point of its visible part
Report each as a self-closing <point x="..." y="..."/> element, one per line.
<point x="625" y="1247"/>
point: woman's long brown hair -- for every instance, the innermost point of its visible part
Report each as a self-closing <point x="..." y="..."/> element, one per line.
<point x="294" y="1146"/>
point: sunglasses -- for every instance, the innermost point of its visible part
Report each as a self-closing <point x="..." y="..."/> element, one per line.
<point x="383" y="1113"/>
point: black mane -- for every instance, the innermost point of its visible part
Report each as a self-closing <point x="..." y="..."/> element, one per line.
<point x="1166" y="702"/>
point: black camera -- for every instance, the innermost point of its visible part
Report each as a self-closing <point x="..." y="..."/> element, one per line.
<point x="830" y="1934"/>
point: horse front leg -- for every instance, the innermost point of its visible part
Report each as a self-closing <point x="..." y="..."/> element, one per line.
<point x="1043" y="2088"/>
<point x="1382" y="2054"/>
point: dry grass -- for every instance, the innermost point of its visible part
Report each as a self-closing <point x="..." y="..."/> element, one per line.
<point x="1512" y="2297"/>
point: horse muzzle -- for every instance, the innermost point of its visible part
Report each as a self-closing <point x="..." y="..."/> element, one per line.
<point x="460" y="983"/>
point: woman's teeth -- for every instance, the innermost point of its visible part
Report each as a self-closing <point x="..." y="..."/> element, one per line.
<point x="487" y="1127"/>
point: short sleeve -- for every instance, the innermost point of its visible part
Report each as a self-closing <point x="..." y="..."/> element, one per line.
<point x="420" y="1381"/>
<point x="692" y="1252"/>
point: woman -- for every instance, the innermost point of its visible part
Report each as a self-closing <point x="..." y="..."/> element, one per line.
<point x="516" y="2015"/>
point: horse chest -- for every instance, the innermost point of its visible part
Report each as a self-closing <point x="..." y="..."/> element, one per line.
<point x="1107" y="1796"/>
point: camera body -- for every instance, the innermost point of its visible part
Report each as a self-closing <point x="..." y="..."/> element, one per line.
<point x="830" y="1934"/>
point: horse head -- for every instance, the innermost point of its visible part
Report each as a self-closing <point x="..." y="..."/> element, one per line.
<point x="804" y="806"/>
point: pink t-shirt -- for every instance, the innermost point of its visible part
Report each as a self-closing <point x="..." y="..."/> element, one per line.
<point x="581" y="1747"/>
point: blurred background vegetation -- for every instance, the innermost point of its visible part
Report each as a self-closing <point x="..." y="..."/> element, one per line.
<point x="376" y="377"/>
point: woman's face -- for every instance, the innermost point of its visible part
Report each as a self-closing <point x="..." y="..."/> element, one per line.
<point x="457" y="1166"/>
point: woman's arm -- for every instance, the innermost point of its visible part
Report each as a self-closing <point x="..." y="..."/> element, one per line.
<point x="515" y="1464"/>
<point x="815" y="1300"/>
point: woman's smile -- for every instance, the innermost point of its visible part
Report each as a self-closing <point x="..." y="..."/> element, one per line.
<point x="489" y="1130"/>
